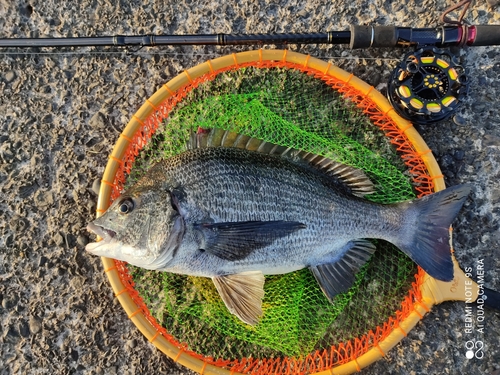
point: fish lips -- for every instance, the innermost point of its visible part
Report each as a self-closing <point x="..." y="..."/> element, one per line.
<point x="111" y="247"/>
<point x="107" y="236"/>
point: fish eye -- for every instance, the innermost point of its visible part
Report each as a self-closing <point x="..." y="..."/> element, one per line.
<point x="126" y="206"/>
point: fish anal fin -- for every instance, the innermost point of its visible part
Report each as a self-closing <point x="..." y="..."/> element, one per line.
<point x="242" y="294"/>
<point x="338" y="276"/>
<point x="236" y="240"/>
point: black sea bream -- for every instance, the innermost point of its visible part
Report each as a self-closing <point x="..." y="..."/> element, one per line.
<point x="235" y="215"/>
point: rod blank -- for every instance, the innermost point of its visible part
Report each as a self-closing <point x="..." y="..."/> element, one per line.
<point x="342" y="37"/>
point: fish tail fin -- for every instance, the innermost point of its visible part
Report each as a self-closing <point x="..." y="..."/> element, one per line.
<point x="429" y="220"/>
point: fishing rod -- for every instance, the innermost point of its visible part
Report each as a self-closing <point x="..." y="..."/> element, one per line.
<point x="426" y="87"/>
<point x="357" y="37"/>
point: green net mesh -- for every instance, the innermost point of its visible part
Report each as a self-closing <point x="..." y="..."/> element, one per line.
<point x="288" y="108"/>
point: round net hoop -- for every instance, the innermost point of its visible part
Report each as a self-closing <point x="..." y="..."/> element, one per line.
<point x="343" y="358"/>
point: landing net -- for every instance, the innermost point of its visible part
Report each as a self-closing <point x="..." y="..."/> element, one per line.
<point x="292" y="105"/>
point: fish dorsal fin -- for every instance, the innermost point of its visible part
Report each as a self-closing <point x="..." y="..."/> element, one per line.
<point x="354" y="179"/>
<point x="224" y="138"/>
<point x="242" y="294"/>
<point x="337" y="276"/>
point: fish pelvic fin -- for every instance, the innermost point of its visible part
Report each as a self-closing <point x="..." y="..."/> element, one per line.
<point x="338" y="276"/>
<point x="429" y="221"/>
<point x="242" y="294"/>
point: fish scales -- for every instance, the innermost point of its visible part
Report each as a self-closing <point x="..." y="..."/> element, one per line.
<point x="233" y="185"/>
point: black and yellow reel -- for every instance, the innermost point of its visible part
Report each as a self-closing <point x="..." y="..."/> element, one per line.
<point x="427" y="86"/>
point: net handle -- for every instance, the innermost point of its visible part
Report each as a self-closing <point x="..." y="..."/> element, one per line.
<point x="147" y="109"/>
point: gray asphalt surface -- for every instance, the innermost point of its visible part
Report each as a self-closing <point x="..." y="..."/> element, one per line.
<point x="60" y="115"/>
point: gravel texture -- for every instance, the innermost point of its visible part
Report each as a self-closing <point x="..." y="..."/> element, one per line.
<point x="60" y="115"/>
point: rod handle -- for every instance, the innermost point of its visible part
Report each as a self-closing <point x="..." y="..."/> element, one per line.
<point x="392" y="36"/>
<point x="485" y="35"/>
<point x="373" y="36"/>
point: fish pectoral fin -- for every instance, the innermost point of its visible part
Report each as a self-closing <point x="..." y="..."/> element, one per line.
<point x="242" y="294"/>
<point x="236" y="240"/>
<point x="338" y="276"/>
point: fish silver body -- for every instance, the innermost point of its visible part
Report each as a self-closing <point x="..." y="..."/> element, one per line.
<point x="234" y="215"/>
<point x="232" y="185"/>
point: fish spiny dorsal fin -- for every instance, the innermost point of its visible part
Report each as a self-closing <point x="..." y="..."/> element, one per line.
<point x="202" y="138"/>
<point x="218" y="137"/>
<point x="354" y="179"/>
<point x="359" y="183"/>
<point x="215" y="137"/>
<point x="197" y="139"/>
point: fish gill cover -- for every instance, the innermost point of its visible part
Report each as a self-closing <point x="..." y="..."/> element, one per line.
<point x="289" y="108"/>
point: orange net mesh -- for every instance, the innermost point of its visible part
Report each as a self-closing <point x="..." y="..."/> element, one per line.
<point x="317" y="360"/>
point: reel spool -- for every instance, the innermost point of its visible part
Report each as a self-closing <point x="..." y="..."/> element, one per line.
<point x="427" y="86"/>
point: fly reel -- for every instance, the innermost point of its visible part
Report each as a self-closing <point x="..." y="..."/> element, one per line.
<point x="427" y="86"/>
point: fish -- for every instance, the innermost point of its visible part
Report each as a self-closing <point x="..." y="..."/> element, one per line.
<point x="234" y="208"/>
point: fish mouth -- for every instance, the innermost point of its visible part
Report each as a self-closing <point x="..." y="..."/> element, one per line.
<point x="106" y="235"/>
